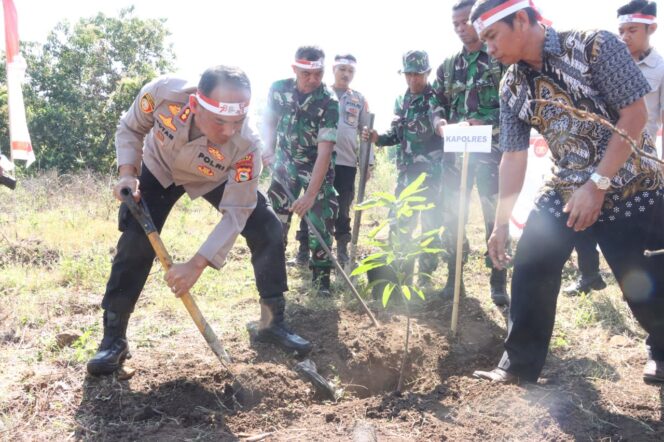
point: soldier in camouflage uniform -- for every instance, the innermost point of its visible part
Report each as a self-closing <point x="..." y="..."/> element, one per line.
<point x="420" y="149"/>
<point x="300" y="133"/>
<point x="353" y="114"/>
<point x="466" y="89"/>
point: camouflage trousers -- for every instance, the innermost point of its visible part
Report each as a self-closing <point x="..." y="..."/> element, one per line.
<point x="322" y="214"/>
<point x="482" y="171"/>
<point x="430" y="219"/>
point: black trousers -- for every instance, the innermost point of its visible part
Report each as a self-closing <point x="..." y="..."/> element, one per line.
<point x="344" y="184"/>
<point x="135" y="255"/>
<point x="483" y="171"/>
<point x="586" y="252"/>
<point x="544" y="248"/>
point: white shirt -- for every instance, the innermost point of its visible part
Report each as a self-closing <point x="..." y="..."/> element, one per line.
<point x="653" y="69"/>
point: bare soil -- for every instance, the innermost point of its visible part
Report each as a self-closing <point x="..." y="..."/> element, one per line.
<point x="174" y="389"/>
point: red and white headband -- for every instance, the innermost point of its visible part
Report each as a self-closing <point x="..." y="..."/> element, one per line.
<point x="503" y="10"/>
<point x="310" y="65"/>
<point x="219" y="108"/>
<point x="344" y="61"/>
<point x="637" y="18"/>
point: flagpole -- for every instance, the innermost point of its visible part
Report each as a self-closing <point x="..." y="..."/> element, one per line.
<point x="20" y="144"/>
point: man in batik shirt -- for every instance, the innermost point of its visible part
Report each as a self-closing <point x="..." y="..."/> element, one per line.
<point x="599" y="186"/>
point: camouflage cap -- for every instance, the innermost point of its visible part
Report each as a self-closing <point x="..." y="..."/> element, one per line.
<point x="415" y="62"/>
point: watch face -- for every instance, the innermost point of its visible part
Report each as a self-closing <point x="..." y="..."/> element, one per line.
<point x="603" y="183"/>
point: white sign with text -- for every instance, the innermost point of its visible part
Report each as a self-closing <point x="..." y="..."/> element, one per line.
<point x="462" y="138"/>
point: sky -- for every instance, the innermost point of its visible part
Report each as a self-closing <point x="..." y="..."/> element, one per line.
<point x="261" y="36"/>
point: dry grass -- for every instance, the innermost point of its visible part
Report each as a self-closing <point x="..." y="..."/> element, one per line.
<point x="57" y="242"/>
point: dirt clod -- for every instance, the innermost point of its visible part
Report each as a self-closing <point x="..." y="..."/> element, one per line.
<point x="66" y="339"/>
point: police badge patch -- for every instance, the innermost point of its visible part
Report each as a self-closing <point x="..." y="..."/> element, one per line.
<point x="244" y="168"/>
<point x="168" y="122"/>
<point x="244" y="174"/>
<point x="174" y="109"/>
<point x="205" y="170"/>
<point x="216" y="154"/>
<point x="184" y="115"/>
<point x="147" y="103"/>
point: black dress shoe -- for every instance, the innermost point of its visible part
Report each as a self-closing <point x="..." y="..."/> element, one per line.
<point x="653" y="371"/>
<point x="497" y="375"/>
<point x="585" y="284"/>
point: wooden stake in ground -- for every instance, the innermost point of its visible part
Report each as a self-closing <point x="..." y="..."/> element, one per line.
<point x="144" y="219"/>
<point x="461" y="233"/>
<point x="365" y="156"/>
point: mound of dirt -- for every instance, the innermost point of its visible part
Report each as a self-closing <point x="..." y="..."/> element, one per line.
<point x="265" y="393"/>
<point x="366" y="360"/>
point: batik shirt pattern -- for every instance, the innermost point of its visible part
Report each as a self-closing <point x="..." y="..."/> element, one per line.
<point x="592" y="71"/>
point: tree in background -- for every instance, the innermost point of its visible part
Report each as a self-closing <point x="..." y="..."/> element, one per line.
<point x="81" y="81"/>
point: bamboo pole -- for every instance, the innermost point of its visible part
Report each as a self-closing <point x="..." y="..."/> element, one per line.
<point x="365" y="152"/>
<point x="461" y="227"/>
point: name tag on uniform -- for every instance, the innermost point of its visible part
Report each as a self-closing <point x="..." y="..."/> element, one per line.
<point x="464" y="138"/>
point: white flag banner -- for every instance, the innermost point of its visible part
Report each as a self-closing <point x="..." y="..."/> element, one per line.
<point x="21" y="146"/>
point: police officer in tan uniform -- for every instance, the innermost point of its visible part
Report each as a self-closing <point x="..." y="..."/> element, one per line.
<point x="179" y="138"/>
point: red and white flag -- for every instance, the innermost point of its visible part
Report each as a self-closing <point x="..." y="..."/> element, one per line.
<point x="21" y="146"/>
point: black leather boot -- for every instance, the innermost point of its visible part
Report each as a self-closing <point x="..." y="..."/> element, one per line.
<point x="448" y="290"/>
<point x="342" y="251"/>
<point x="498" y="283"/>
<point x="302" y="257"/>
<point x="271" y="327"/>
<point x="114" y="348"/>
<point x="321" y="280"/>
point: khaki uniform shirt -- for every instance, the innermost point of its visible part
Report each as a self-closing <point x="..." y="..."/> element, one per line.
<point x="155" y="132"/>
<point x="652" y="68"/>
<point x="352" y="117"/>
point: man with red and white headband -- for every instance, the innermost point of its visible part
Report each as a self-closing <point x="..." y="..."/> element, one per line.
<point x="300" y="133"/>
<point x="181" y="138"/>
<point x="598" y="185"/>
<point x="637" y="22"/>
<point x="353" y="114"/>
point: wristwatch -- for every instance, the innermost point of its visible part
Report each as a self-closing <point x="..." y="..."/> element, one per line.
<point x="602" y="182"/>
